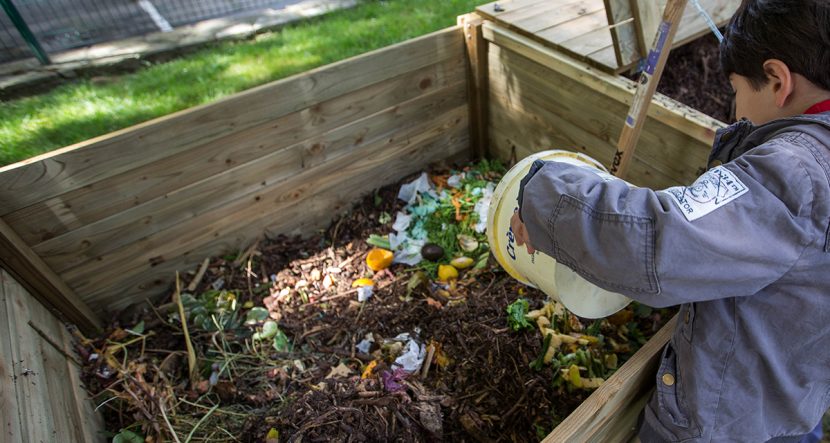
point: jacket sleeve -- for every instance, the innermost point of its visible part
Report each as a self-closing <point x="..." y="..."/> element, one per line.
<point x="740" y="227"/>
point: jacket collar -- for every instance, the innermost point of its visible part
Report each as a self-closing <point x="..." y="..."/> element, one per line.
<point x="734" y="140"/>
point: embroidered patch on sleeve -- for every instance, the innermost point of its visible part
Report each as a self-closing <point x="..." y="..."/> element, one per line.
<point x="710" y="191"/>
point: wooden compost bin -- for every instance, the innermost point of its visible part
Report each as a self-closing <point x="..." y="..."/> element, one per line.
<point x="100" y="225"/>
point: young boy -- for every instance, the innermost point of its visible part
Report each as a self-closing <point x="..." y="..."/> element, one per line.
<point x="745" y="250"/>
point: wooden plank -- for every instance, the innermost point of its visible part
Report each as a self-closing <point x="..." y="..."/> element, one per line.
<point x="56" y="216"/>
<point x="90" y="422"/>
<point x="48" y="335"/>
<point x="522" y="127"/>
<point x="590" y="42"/>
<point x="10" y="420"/>
<point x="605" y="56"/>
<point x="669" y="151"/>
<point x="585" y="24"/>
<point x="323" y="191"/>
<point x="626" y="43"/>
<point x="663" y="109"/>
<point x="509" y="8"/>
<point x="23" y="184"/>
<point x="692" y="25"/>
<point x="648" y="13"/>
<point x="89" y="244"/>
<point x="477" y="82"/>
<point x="571" y="16"/>
<point x="29" y="269"/>
<point x="608" y="415"/>
<point x="34" y="408"/>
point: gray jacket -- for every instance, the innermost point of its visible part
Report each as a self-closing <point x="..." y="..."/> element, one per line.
<point x="745" y="250"/>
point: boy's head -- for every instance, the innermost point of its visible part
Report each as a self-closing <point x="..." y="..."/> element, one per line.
<point x="777" y="56"/>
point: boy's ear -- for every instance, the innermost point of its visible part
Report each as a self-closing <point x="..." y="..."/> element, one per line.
<point x="781" y="80"/>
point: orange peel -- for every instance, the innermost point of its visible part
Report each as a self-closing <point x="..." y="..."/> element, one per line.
<point x="379" y="259"/>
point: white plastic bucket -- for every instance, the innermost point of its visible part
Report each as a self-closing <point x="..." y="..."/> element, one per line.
<point x="540" y="270"/>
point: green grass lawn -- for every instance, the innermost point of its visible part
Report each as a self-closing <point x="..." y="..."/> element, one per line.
<point x="82" y="110"/>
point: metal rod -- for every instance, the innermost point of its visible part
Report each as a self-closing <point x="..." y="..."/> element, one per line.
<point x="25" y="32"/>
<point x="708" y="19"/>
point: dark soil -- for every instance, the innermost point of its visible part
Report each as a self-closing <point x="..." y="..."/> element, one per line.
<point x="693" y="76"/>
<point x="479" y="388"/>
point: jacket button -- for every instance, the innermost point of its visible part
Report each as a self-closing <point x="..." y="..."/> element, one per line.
<point x="715" y="163"/>
<point x="668" y="379"/>
<point x="686" y="319"/>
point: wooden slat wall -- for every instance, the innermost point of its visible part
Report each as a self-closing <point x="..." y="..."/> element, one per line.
<point x="648" y="13"/>
<point x="41" y="399"/>
<point x="540" y="99"/>
<point x="116" y="216"/>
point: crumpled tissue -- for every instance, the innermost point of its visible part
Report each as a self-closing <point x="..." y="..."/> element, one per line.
<point x="483" y="206"/>
<point x="410" y="191"/>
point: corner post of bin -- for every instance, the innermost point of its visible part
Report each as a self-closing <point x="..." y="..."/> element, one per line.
<point x="477" y="82"/>
<point x="19" y="260"/>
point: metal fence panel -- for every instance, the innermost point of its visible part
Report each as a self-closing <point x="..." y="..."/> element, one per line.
<point x="65" y="24"/>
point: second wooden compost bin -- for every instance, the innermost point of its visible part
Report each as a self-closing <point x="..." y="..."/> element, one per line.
<point x="97" y="226"/>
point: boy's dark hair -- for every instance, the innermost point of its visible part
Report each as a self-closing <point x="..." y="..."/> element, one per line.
<point x="797" y="32"/>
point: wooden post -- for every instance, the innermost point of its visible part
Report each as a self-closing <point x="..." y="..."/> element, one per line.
<point x="649" y="78"/>
<point x="477" y="81"/>
<point x="42" y="282"/>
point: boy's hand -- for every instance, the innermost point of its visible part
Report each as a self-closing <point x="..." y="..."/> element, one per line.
<point x="520" y="233"/>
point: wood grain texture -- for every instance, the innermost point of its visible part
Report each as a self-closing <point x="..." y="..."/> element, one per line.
<point x="45" y="404"/>
<point x="665" y="110"/>
<point x="10" y="420"/>
<point x="578" y="28"/>
<point x="647" y="15"/>
<point x="46" y="220"/>
<point x="477" y="82"/>
<point x="197" y="206"/>
<point x="626" y="43"/>
<point x="649" y="78"/>
<point x="101" y="220"/>
<point x="44" y="177"/>
<point x="299" y="205"/>
<point x="610" y="413"/>
<point x="541" y="93"/>
<point x="42" y="281"/>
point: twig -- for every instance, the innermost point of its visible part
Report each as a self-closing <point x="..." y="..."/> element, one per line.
<point x="54" y="344"/>
<point x="199" y="423"/>
<point x="198" y="278"/>
<point x="242" y="258"/>
<point x="221" y="411"/>
<point x="164" y="414"/>
<point x="191" y="354"/>
<point x="428" y="361"/>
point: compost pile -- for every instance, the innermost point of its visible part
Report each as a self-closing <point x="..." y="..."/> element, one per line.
<point x="325" y="339"/>
<point x="693" y="76"/>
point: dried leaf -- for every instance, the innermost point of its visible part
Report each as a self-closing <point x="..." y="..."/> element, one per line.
<point x="434" y="303"/>
<point x="339" y="371"/>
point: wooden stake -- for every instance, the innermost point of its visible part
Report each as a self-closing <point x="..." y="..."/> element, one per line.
<point x="649" y="78"/>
